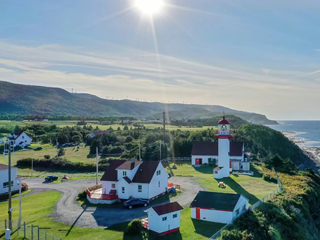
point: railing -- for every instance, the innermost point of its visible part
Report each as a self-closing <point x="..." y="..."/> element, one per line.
<point x="25" y="231"/>
<point x="252" y="207"/>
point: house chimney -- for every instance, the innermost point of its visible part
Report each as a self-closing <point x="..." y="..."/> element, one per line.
<point x="132" y="160"/>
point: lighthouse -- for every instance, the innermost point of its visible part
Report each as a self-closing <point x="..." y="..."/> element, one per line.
<point x="224" y="165"/>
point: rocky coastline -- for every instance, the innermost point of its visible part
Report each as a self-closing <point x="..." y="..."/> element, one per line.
<point x="313" y="152"/>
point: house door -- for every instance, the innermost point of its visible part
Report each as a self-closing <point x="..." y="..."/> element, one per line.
<point x="197" y="213"/>
<point x="198" y="161"/>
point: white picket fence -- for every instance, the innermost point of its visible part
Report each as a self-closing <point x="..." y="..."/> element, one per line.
<point x="251" y="208"/>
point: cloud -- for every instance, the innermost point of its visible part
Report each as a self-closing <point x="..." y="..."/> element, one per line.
<point x="123" y="73"/>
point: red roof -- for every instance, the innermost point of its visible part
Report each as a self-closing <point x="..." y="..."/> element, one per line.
<point x="145" y="172"/>
<point x="111" y="173"/>
<point x="128" y="165"/>
<point x="5" y="167"/>
<point x="236" y="149"/>
<point x="17" y="134"/>
<point x="167" y="208"/>
<point x="127" y="179"/>
<point x="223" y="121"/>
<point x="205" y="148"/>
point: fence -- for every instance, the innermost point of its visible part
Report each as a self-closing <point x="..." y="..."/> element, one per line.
<point x="25" y="231"/>
<point x="252" y="207"/>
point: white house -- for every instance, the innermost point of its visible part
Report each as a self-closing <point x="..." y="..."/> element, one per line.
<point x="96" y="133"/>
<point x="20" y="139"/>
<point x="227" y="155"/>
<point x="135" y="179"/>
<point x="4" y="183"/>
<point x="165" y="218"/>
<point x="218" y="207"/>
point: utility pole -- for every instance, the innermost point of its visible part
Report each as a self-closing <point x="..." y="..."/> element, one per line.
<point x="139" y="150"/>
<point x="97" y="168"/>
<point x="164" y="123"/>
<point x="57" y="148"/>
<point x="160" y="150"/>
<point x="20" y="181"/>
<point x="9" y="181"/>
<point x="32" y="166"/>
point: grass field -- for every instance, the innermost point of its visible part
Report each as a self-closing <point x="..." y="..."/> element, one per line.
<point x="71" y="153"/>
<point x="94" y="124"/>
<point x="252" y="187"/>
<point x="36" y="208"/>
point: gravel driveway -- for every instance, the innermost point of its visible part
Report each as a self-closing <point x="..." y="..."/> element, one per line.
<point x="68" y="211"/>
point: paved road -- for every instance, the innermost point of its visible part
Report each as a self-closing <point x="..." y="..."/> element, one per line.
<point x="67" y="210"/>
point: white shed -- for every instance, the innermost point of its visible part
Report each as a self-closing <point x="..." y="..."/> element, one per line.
<point x="164" y="219"/>
<point x="4" y="184"/>
<point x="218" y="207"/>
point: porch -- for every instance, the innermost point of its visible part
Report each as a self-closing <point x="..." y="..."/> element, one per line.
<point x="95" y="195"/>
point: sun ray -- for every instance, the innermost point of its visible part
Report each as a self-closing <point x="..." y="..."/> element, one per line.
<point x="188" y="9"/>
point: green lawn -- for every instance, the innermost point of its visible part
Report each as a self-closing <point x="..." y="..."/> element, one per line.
<point x="71" y="153"/>
<point x="36" y="210"/>
<point x="252" y="187"/>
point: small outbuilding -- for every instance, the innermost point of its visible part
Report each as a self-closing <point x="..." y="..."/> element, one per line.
<point x="218" y="207"/>
<point x="164" y="219"/>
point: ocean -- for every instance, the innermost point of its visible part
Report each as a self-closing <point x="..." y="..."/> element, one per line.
<point x="307" y="131"/>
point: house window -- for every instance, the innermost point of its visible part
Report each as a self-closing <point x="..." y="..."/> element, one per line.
<point x="122" y="189"/>
<point x="159" y="184"/>
<point x="164" y="219"/>
<point x="6" y="184"/>
<point x="113" y="185"/>
<point x="158" y="172"/>
<point x="215" y="172"/>
<point x="124" y="173"/>
<point x="175" y="215"/>
<point x="244" y="207"/>
<point x="22" y="137"/>
<point x="237" y="211"/>
<point x="139" y="188"/>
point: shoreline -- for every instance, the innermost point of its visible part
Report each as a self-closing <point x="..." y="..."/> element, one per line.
<point x="313" y="152"/>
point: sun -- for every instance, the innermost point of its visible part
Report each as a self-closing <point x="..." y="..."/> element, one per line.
<point x="149" y="7"/>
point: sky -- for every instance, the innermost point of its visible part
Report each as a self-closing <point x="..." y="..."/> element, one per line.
<point x="255" y="56"/>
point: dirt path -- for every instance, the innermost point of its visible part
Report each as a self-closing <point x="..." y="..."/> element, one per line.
<point x="68" y="211"/>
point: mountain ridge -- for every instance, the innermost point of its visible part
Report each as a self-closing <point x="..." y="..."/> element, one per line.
<point x="52" y="101"/>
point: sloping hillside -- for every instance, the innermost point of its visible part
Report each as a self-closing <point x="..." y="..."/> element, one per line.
<point x="36" y="100"/>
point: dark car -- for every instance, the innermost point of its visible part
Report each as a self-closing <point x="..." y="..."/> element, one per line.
<point x="37" y="149"/>
<point x="136" y="202"/>
<point x="51" y="178"/>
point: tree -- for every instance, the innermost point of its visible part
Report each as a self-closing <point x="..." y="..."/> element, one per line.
<point x="61" y="151"/>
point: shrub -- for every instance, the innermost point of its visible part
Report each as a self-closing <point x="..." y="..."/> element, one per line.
<point x="59" y="163"/>
<point x="134" y="227"/>
<point x="82" y="194"/>
<point x="269" y="178"/>
<point x="24" y="187"/>
<point x="47" y="157"/>
<point x="61" y="151"/>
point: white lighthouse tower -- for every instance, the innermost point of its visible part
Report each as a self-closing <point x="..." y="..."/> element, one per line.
<point x="223" y="169"/>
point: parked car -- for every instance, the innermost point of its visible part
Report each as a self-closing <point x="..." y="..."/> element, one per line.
<point x="135" y="202"/>
<point x="37" y="149"/>
<point x="51" y="178"/>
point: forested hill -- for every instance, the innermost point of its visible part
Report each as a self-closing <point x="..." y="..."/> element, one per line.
<point x="37" y="100"/>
